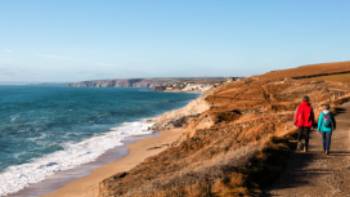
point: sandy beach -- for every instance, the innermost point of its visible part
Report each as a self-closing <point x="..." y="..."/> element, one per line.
<point x="138" y="152"/>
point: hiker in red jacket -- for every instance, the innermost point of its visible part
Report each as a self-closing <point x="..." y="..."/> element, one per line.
<point x="304" y="119"/>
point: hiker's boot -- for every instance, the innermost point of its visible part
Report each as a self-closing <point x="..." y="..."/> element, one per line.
<point x="305" y="149"/>
<point x="299" y="146"/>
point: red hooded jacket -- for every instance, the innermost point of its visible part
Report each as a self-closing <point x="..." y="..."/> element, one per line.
<point x="304" y="115"/>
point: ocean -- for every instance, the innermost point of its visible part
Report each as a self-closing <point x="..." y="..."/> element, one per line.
<point x="48" y="129"/>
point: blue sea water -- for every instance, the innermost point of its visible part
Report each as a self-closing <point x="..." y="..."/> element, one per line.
<point x="44" y="128"/>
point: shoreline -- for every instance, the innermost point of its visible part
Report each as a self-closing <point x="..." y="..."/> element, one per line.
<point x="137" y="152"/>
<point x="60" y="179"/>
<point x="83" y="180"/>
<point x="114" y="147"/>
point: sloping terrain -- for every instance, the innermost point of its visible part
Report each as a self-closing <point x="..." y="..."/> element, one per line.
<point x="246" y="124"/>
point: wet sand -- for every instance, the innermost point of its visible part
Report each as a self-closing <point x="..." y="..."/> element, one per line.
<point x="60" y="179"/>
<point x="138" y="151"/>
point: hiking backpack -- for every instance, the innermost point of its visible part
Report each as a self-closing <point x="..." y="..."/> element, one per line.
<point x="327" y="120"/>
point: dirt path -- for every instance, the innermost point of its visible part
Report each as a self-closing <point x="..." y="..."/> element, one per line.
<point x="315" y="174"/>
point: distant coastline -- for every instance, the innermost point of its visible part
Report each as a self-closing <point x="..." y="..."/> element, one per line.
<point x="197" y="85"/>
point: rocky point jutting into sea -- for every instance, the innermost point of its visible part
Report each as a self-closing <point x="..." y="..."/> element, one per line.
<point x="232" y="136"/>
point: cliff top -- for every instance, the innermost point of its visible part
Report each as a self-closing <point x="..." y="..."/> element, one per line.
<point x="308" y="71"/>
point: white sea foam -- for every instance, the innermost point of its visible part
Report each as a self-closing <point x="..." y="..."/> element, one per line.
<point x="13" y="118"/>
<point x="17" y="177"/>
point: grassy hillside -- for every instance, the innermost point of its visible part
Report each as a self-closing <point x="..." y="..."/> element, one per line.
<point x="236" y="146"/>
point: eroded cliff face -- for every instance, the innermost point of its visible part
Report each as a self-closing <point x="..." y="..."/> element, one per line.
<point x="226" y="135"/>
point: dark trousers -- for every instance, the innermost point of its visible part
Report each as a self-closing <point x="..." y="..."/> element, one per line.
<point x="304" y="133"/>
<point x="326" y="139"/>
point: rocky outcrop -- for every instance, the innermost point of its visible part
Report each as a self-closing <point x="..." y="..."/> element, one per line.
<point x="184" y="117"/>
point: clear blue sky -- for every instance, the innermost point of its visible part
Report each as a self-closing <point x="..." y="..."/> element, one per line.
<point x="71" y="40"/>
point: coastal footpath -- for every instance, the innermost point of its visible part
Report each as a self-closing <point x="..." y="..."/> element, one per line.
<point x="316" y="174"/>
<point x="235" y="140"/>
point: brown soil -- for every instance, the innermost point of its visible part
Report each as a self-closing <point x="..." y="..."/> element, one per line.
<point x="316" y="174"/>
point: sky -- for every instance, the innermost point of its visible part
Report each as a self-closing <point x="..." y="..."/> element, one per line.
<point x="64" y="40"/>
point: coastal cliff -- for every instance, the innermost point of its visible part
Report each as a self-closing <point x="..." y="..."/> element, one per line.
<point x="161" y="84"/>
<point x="237" y="136"/>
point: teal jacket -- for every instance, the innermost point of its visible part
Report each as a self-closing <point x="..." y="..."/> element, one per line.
<point x="321" y="126"/>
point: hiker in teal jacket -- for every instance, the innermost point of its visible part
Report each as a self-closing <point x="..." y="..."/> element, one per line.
<point x="326" y="126"/>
